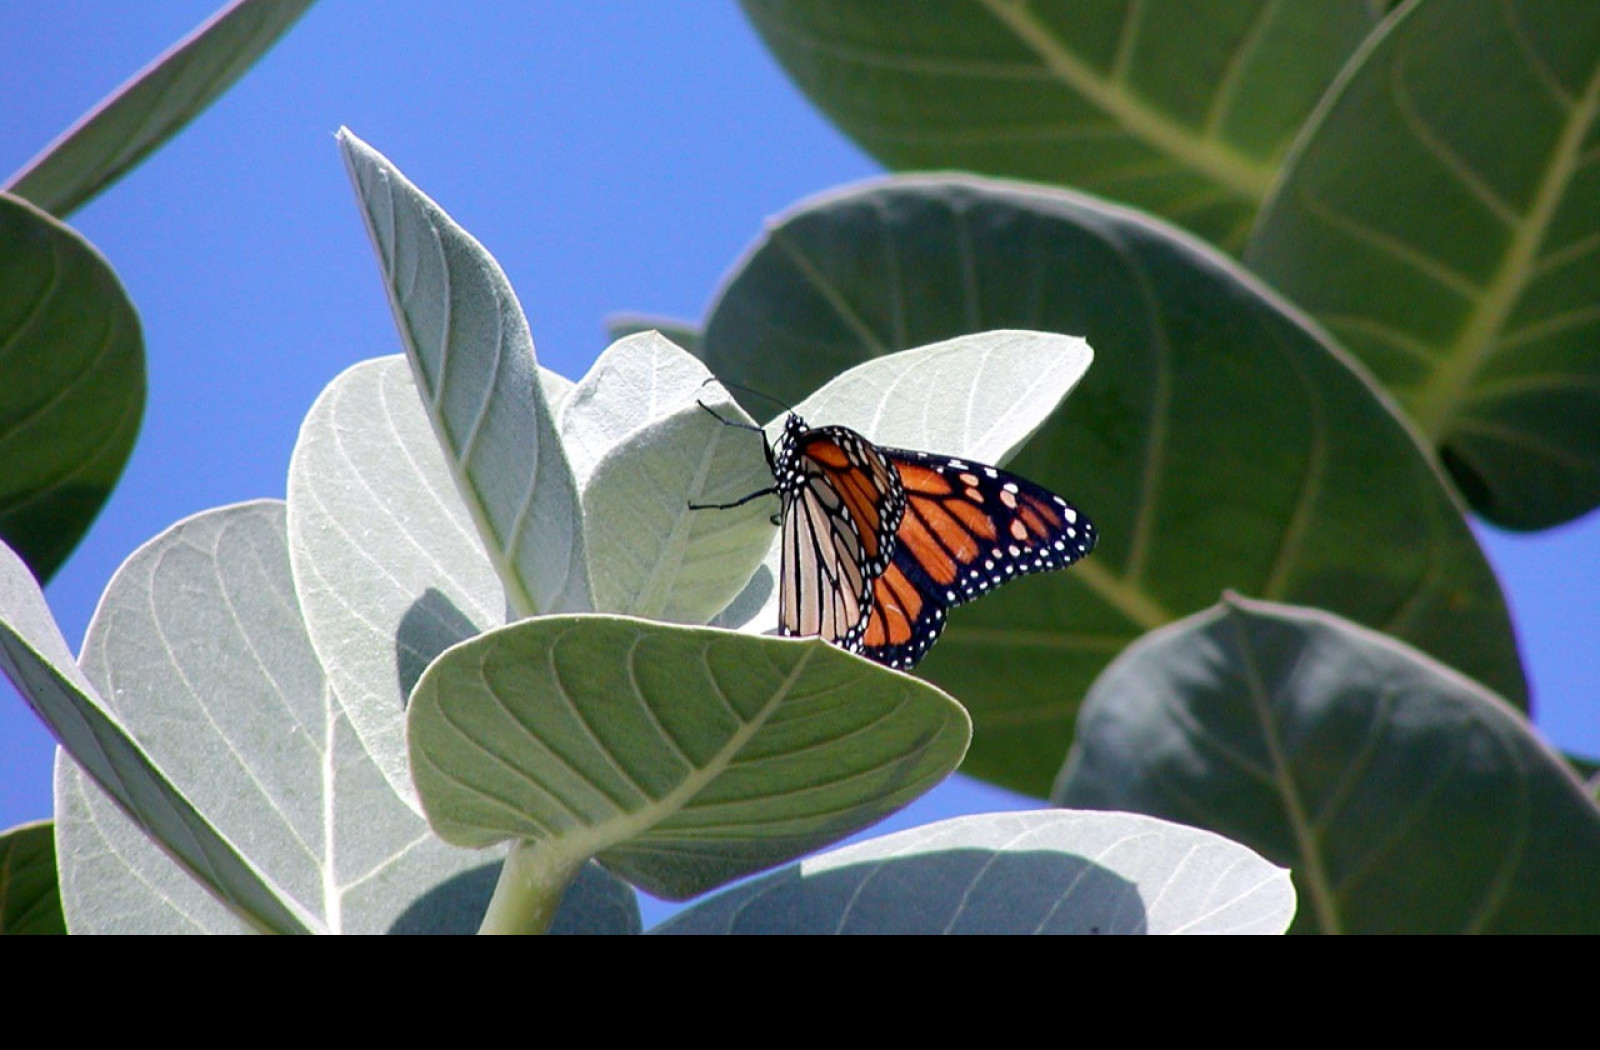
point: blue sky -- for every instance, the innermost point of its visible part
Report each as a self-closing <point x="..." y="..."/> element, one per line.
<point x="613" y="154"/>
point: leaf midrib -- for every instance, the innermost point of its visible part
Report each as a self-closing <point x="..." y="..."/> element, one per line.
<point x="594" y="839"/>
<point x="1440" y="399"/>
<point x="1198" y="152"/>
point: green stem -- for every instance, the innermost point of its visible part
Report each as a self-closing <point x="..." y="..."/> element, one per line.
<point x="529" y="891"/>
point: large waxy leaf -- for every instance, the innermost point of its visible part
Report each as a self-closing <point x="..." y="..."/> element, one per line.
<point x="981" y="396"/>
<point x="30" y="901"/>
<point x="556" y="388"/>
<point x="199" y="644"/>
<point x="1403" y="796"/>
<point x="643" y="431"/>
<point x="1183" y="109"/>
<point x="472" y="357"/>
<point x="122" y="882"/>
<point x="388" y="568"/>
<point x="1470" y="283"/>
<point x="1014" y="873"/>
<point x="640" y="379"/>
<point x="73" y="360"/>
<point x="1217" y="442"/>
<point x="36" y="659"/>
<point x="657" y="549"/>
<point x="151" y="107"/>
<point x="213" y="672"/>
<point x="681" y="757"/>
<point x="117" y="880"/>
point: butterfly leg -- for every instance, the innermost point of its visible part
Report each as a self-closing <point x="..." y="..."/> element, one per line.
<point x="765" y="448"/>
<point x="735" y="503"/>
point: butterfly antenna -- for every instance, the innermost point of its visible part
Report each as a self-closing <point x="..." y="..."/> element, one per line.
<point x="751" y="391"/>
<point x="725" y="421"/>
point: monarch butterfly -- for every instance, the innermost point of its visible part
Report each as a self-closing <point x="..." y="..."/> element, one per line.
<point x="878" y="543"/>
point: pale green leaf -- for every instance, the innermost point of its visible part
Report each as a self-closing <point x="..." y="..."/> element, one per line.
<point x="644" y="434"/>
<point x="680" y="757"/>
<point x="556" y="388"/>
<point x="122" y="882"/>
<point x="657" y="548"/>
<point x="473" y="360"/>
<point x="639" y="380"/>
<point x="115" y="879"/>
<point x="975" y="396"/>
<point x="1014" y="873"/>
<point x="36" y="659"/>
<point x="199" y="645"/>
<point x="388" y="567"/>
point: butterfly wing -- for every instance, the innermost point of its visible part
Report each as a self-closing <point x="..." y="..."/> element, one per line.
<point x="967" y="528"/>
<point x="842" y="503"/>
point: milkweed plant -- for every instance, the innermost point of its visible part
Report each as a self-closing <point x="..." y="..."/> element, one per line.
<point x="487" y="668"/>
<point x="508" y="673"/>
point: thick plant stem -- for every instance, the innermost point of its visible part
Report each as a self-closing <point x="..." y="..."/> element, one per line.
<point x="529" y="891"/>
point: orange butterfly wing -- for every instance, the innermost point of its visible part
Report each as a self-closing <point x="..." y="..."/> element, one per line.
<point x="967" y="529"/>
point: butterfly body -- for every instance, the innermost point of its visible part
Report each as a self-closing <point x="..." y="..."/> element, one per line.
<point x="878" y="542"/>
<point x="842" y="504"/>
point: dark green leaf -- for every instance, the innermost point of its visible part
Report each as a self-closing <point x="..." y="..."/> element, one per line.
<point x="1586" y="768"/>
<point x="30" y="901"/>
<point x="1442" y="218"/>
<point x="73" y="360"/>
<point x="1403" y="796"/>
<point x="1180" y="108"/>
<point x="153" y="106"/>
<point x="1217" y="441"/>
